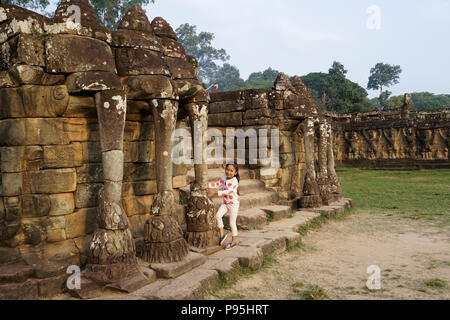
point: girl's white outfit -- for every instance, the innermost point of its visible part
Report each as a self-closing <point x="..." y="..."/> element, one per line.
<point x="228" y="190"/>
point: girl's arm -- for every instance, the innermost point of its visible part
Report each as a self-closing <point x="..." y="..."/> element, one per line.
<point x="229" y="189"/>
<point x="218" y="184"/>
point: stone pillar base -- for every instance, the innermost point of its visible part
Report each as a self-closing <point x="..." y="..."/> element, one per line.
<point x="310" y="201"/>
<point x="202" y="239"/>
<point x="168" y="252"/>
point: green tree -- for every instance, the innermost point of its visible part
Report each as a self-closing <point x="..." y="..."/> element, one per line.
<point x="199" y="46"/>
<point x="383" y="75"/>
<point x="229" y="79"/>
<point x="422" y="101"/>
<point x="337" y="70"/>
<point x="110" y="12"/>
<point x="333" y="91"/>
<point x="262" y="80"/>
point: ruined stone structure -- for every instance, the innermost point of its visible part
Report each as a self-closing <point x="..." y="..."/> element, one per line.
<point x="86" y="176"/>
<point x="82" y="111"/>
<point x="396" y="138"/>
<point x="305" y="176"/>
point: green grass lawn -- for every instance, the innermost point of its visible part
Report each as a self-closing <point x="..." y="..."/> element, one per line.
<point x="415" y="194"/>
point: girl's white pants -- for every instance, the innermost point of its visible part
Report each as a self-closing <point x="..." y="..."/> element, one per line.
<point x="233" y="208"/>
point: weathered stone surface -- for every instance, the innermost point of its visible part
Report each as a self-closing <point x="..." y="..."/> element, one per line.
<point x="277" y="212"/>
<point x="61" y="204"/>
<point x="135" y="61"/>
<point x="11" y="103"/>
<point x="64" y="22"/>
<point x="20" y="21"/>
<point x="192" y="285"/>
<point x="141" y="188"/>
<point x="148" y="87"/>
<point x="225" y="119"/>
<point x="181" y="69"/>
<point x="61" y="58"/>
<point x="137" y="205"/>
<point x="12" y="184"/>
<point x="135" y="39"/>
<point x="17" y="272"/>
<point x="92" y="153"/>
<point x="9" y="255"/>
<point x="113" y="165"/>
<point x="111" y="109"/>
<point x="113" y="191"/>
<point x="111" y="215"/>
<point x="86" y="195"/>
<point x="228" y="268"/>
<point x="36" y="205"/>
<point x="55" y="229"/>
<point x="136" y="19"/>
<point x="19" y="291"/>
<point x="139" y="172"/>
<point x="25" y="74"/>
<point x="81" y="222"/>
<point x="81" y="107"/>
<point x="92" y="172"/>
<point x="249" y="257"/>
<point x="225" y="106"/>
<point x="52" y="181"/>
<point x="162" y="29"/>
<point x="63" y="156"/>
<point x="22" y="49"/>
<point x="137" y="223"/>
<point x="172" y="48"/>
<point x="93" y="81"/>
<point x="52" y="286"/>
<point x="7" y="81"/>
<point x="43" y="101"/>
<point x="175" y="269"/>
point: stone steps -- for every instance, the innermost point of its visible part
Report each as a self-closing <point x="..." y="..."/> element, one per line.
<point x="277" y="212"/>
<point x="271" y="238"/>
<point x="253" y="246"/>
<point x="252" y="200"/>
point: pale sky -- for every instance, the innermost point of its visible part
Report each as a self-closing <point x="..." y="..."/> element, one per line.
<point x="299" y="37"/>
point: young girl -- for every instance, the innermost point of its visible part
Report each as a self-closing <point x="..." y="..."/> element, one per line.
<point x="228" y="189"/>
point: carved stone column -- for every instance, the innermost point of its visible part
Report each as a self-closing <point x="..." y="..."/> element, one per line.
<point x="311" y="194"/>
<point x="323" y="181"/>
<point x="112" y="254"/>
<point x="163" y="237"/>
<point x="336" y="189"/>
<point x="200" y="216"/>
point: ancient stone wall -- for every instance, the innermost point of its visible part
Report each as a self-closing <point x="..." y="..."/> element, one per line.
<point x="52" y="159"/>
<point x="393" y="139"/>
<point x="288" y="109"/>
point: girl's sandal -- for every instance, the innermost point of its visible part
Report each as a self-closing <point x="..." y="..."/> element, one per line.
<point x="222" y="239"/>
<point x="230" y="246"/>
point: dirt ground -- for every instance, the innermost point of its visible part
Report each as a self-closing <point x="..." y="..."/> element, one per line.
<point x="336" y="256"/>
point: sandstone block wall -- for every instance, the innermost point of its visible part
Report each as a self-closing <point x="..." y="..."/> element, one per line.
<point x="393" y="139"/>
<point x="50" y="155"/>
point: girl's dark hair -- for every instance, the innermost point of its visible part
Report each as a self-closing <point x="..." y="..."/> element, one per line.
<point x="236" y="167"/>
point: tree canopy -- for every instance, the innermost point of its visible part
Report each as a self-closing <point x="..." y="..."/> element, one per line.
<point x="333" y="91"/>
<point x="421" y="101"/>
<point x="200" y="46"/>
<point x="383" y="75"/>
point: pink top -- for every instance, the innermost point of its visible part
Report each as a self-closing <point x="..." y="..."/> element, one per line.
<point x="229" y="189"/>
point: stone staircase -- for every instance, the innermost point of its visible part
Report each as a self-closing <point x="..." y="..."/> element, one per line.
<point x="264" y="228"/>
<point x="258" y="203"/>
<point x="192" y="278"/>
